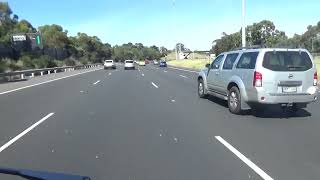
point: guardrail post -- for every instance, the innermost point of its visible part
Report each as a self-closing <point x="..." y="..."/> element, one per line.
<point x="32" y="74"/>
<point x="72" y="69"/>
<point x="41" y="73"/>
<point x="22" y="76"/>
<point x="55" y="71"/>
<point x="49" y="72"/>
<point x="65" y="70"/>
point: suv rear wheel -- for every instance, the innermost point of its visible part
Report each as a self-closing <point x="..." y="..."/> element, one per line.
<point x="234" y="100"/>
<point x="201" y="89"/>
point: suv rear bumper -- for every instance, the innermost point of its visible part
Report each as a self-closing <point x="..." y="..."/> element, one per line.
<point x="280" y="98"/>
<point x="110" y="67"/>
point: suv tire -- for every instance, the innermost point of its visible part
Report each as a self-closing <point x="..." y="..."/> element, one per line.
<point x="234" y="100"/>
<point x="201" y="89"/>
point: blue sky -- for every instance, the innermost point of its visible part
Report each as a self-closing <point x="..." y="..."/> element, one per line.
<point x="196" y="23"/>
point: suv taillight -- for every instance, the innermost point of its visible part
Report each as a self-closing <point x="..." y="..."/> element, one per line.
<point x="315" y="78"/>
<point x="257" y="79"/>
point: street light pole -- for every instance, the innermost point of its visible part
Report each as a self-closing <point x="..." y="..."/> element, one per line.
<point x="175" y="25"/>
<point x="243" y="23"/>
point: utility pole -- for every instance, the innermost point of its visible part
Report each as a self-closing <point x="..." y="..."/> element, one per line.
<point x="175" y="24"/>
<point x="243" y="23"/>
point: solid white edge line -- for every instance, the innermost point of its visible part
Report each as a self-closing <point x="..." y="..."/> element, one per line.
<point x="154" y="85"/>
<point x="184" y="70"/>
<point x="183" y="76"/>
<point x="244" y="159"/>
<point x="96" y="82"/>
<point x="17" y="89"/>
<point x="25" y="132"/>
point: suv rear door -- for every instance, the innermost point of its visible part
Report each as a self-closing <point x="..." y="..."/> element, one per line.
<point x="287" y="72"/>
<point x="245" y="69"/>
<point x="226" y="72"/>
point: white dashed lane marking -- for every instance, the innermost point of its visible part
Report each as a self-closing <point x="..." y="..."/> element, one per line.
<point x="96" y="82"/>
<point x="2" y="148"/>
<point x="244" y="159"/>
<point x="154" y="85"/>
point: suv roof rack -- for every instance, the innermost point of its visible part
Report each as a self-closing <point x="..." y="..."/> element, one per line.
<point x="250" y="47"/>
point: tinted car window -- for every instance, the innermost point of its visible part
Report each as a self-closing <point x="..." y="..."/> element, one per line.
<point x="129" y="61"/>
<point x="248" y="60"/>
<point x="216" y="63"/>
<point x="287" y="61"/>
<point x="230" y="59"/>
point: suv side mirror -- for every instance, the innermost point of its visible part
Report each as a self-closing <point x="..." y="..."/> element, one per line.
<point x="207" y="65"/>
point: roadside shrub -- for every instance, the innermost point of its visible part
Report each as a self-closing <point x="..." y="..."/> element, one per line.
<point x="13" y="66"/>
<point x="69" y="62"/>
<point x="43" y="62"/>
<point x="3" y="65"/>
<point x="27" y="62"/>
<point x="51" y="64"/>
<point x="59" y="63"/>
<point x="83" y="61"/>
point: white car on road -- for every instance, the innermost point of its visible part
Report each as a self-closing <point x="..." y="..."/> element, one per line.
<point x="109" y="64"/>
<point x="129" y="64"/>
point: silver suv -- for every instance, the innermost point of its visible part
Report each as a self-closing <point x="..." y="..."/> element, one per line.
<point x="250" y="78"/>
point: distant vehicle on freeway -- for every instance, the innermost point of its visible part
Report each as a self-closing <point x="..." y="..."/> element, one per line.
<point x="163" y="64"/>
<point x="109" y="64"/>
<point x="129" y="64"/>
<point x="254" y="78"/>
<point x="155" y="62"/>
<point x="146" y="61"/>
<point x="141" y="63"/>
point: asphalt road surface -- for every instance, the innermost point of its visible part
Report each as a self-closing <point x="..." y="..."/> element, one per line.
<point x="149" y="124"/>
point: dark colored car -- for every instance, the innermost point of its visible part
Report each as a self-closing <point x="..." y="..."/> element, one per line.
<point x="163" y="64"/>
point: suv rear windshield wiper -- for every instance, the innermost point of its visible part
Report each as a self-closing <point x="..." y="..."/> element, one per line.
<point x="40" y="175"/>
<point x="294" y="67"/>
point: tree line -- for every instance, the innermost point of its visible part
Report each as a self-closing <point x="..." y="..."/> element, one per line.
<point x="265" y="34"/>
<point x="59" y="49"/>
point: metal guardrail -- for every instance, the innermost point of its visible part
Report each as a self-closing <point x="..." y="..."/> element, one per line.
<point x="34" y="72"/>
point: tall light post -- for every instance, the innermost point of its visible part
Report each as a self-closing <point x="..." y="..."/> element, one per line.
<point x="243" y="23"/>
<point x="175" y="24"/>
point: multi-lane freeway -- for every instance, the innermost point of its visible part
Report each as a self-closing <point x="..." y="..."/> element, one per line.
<point x="149" y="124"/>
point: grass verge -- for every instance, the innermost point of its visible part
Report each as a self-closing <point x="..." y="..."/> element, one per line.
<point x="196" y="64"/>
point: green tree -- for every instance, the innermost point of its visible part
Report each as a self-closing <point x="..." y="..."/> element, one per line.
<point x="163" y="51"/>
<point x="24" y="27"/>
<point x="226" y="43"/>
<point x="54" y="36"/>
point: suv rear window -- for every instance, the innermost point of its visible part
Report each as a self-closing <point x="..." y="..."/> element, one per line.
<point x="248" y="60"/>
<point x="129" y="62"/>
<point x="109" y="61"/>
<point x="287" y="61"/>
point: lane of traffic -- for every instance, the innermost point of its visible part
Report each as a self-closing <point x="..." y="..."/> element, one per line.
<point x="124" y="128"/>
<point x="292" y="137"/>
<point x="20" y="109"/>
